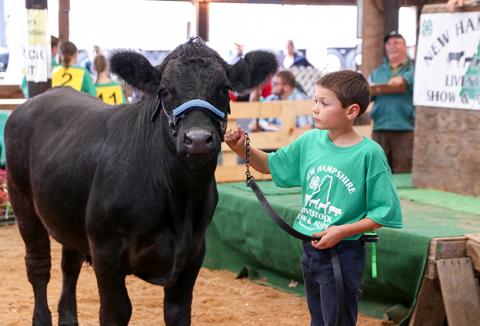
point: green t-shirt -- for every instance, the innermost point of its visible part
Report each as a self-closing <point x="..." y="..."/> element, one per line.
<point x="340" y="185"/>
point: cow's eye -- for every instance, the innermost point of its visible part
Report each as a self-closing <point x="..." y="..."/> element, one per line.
<point x="165" y="93"/>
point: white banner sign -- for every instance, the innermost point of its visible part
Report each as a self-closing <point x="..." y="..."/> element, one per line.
<point x="38" y="54"/>
<point x="447" y="67"/>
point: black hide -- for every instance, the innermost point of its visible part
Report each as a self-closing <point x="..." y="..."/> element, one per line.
<point x="133" y="195"/>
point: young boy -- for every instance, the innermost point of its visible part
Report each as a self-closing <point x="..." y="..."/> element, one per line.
<point x="347" y="189"/>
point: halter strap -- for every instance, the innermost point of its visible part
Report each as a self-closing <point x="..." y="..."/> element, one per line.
<point x="197" y="103"/>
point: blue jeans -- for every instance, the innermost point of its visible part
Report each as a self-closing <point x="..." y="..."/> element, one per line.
<point x="320" y="283"/>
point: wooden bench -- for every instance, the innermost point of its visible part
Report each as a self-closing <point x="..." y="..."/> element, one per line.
<point x="11" y="96"/>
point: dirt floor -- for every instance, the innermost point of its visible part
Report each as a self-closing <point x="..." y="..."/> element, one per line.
<point x="219" y="298"/>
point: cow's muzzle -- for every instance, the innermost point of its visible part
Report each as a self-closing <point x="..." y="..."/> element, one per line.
<point x="199" y="141"/>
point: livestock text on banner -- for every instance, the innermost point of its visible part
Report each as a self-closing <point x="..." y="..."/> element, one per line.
<point x="447" y="68"/>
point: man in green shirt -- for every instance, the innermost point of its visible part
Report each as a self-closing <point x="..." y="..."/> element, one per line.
<point x="347" y="190"/>
<point x="393" y="114"/>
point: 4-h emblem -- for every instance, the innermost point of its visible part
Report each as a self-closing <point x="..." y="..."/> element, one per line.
<point x="427" y="28"/>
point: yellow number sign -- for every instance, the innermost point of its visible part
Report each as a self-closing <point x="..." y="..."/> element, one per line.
<point x="71" y="76"/>
<point x="110" y="94"/>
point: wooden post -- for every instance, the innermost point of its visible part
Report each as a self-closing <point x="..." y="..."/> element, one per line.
<point x="202" y="13"/>
<point x="37" y="50"/>
<point x="372" y="35"/>
<point x="390" y="9"/>
<point x="63" y="20"/>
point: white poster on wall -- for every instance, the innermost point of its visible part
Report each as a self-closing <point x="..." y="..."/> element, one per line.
<point x="447" y="67"/>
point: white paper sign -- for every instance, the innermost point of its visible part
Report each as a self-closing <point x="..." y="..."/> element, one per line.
<point x="38" y="55"/>
<point x="447" y="67"/>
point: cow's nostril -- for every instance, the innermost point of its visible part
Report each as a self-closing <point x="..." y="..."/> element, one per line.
<point x="187" y="140"/>
<point x="209" y="140"/>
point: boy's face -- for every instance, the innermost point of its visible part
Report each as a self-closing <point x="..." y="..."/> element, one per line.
<point x="328" y="112"/>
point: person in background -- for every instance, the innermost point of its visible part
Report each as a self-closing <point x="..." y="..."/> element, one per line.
<point x="87" y="62"/>
<point x="452" y="3"/>
<point x="69" y="74"/>
<point x="393" y="115"/>
<point x="107" y="90"/>
<point x="239" y="47"/>
<point x="284" y="87"/>
<point x="293" y="58"/>
<point x="347" y="189"/>
<point x="54" y="42"/>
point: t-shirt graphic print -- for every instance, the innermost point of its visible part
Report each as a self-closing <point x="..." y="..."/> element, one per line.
<point x="340" y="185"/>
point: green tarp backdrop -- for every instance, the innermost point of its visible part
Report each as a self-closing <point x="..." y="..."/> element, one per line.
<point x="243" y="239"/>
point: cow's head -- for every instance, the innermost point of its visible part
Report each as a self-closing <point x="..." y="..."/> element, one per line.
<point x="189" y="93"/>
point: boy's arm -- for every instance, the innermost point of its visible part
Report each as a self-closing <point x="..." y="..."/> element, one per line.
<point x="334" y="234"/>
<point x="235" y="139"/>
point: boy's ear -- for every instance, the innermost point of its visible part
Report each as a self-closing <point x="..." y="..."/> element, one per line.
<point x="353" y="111"/>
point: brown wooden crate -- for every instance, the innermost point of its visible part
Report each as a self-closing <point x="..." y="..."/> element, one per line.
<point x="459" y="291"/>
<point x="429" y="310"/>
<point x="473" y="251"/>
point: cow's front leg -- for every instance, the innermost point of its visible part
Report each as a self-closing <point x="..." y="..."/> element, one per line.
<point x="115" y="306"/>
<point x="178" y="297"/>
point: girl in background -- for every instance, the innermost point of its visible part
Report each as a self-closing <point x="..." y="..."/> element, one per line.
<point x="106" y="89"/>
<point x="69" y="74"/>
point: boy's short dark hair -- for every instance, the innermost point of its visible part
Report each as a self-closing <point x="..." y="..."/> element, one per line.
<point x="349" y="86"/>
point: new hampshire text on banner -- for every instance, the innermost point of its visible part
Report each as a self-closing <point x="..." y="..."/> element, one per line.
<point x="447" y="68"/>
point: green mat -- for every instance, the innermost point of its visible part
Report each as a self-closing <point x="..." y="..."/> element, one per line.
<point x="4" y="114"/>
<point x="242" y="238"/>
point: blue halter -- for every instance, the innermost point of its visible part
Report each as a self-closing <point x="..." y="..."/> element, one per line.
<point x="179" y="112"/>
<point x="197" y="103"/>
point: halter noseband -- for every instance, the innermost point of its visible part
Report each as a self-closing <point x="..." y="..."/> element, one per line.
<point x="179" y="113"/>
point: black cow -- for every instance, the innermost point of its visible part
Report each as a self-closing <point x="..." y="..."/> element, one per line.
<point x="129" y="188"/>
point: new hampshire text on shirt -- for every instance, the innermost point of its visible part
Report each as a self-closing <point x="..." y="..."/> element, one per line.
<point x="336" y="173"/>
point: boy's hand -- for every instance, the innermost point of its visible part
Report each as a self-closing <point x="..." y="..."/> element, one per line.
<point x="330" y="237"/>
<point x="235" y="138"/>
<point x="396" y="81"/>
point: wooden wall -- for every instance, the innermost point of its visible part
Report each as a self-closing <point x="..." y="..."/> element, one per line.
<point x="447" y="150"/>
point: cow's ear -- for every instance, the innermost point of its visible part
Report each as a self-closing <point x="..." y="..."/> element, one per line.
<point x="135" y="70"/>
<point x="252" y="70"/>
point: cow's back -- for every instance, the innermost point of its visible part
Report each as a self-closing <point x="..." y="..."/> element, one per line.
<point x="52" y="145"/>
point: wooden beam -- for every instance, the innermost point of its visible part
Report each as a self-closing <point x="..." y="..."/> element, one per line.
<point x="283" y="2"/>
<point x="390" y="13"/>
<point x="372" y="35"/>
<point x="63" y="21"/>
<point x="202" y="13"/>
